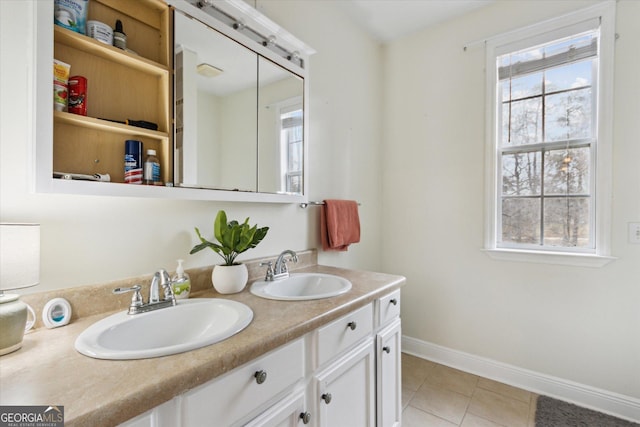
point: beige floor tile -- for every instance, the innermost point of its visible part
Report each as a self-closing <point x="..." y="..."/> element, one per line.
<point x="500" y="409"/>
<point x="414" y="417"/>
<point x="452" y="379"/>
<point x="440" y="402"/>
<point x="504" y="389"/>
<point x="471" y="420"/>
<point x="407" y="395"/>
<point x="414" y="371"/>
<point x="532" y="410"/>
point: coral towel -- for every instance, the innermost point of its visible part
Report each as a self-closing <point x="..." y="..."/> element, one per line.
<point x="339" y="224"/>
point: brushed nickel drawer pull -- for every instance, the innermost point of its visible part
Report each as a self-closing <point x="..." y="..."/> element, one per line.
<point x="261" y="376"/>
<point x="327" y="398"/>
<point x="352" y="325"/>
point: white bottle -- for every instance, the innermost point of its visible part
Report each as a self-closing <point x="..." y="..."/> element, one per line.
<point x="181" y="282"/>
<point x="151" y="173"/>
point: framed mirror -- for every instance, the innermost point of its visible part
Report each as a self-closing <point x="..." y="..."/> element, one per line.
<point x="239" y="116"/>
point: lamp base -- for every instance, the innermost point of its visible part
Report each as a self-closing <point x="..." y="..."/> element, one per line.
<point x="13" y="319"/>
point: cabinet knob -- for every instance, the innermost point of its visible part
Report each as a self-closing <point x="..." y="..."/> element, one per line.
<point x="261" y="376"/>
<point x="352" y="325"/>
<point x="305" y="417"/>
<point x="327" y="398"/>
<point x="394" y="301"/>
<point x="386" y="349"/>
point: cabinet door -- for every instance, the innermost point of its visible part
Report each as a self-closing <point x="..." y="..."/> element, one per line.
<point x="388" y="375"/>
<point x="289" y="412"/>
<point x="345" y="392"/>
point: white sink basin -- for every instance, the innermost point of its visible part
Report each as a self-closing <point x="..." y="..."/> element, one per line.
<point x="302" y="286"/>
<point x="191" y="324"/>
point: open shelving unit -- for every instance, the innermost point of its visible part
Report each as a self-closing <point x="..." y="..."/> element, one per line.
<point x="133" y="84"/>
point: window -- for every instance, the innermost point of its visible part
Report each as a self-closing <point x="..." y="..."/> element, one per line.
<point x="550" y="139"/>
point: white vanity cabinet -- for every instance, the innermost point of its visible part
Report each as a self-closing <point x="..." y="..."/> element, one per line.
<point x="343" y="374"/>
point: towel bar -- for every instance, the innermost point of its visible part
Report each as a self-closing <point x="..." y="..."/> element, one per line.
<point x="304" y="205"/>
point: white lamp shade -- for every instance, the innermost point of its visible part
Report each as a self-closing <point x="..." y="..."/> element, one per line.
<point x="19" y="255"/>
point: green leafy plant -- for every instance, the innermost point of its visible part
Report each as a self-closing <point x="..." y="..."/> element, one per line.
<point x="233" y="238"/>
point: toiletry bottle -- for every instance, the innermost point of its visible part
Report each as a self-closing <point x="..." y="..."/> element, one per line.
<point x="152" y="169"/>
<point x="133" y="161"/>
<point x="119" y="37"/>
<point x="181" y="282"/>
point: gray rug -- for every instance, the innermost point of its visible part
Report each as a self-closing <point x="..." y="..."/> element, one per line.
<point x="556" y="413"/>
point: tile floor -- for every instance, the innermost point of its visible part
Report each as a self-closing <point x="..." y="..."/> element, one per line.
<point x="439" y="396"/>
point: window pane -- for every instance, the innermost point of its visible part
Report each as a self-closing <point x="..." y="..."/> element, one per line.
<point x="295" y="157"/>
<point x="521" y="174"/>
<point x="567" y="171"/>
<point x="568" y="115"/>
<point x="569" y="76"/>
<point x="521" y="220"/>
<point x="566" y="222"/>
<point x="522" y="87"/>
<point x="526" y="122"/>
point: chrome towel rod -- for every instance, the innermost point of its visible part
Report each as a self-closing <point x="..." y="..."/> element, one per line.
<point x="304" y="205"/>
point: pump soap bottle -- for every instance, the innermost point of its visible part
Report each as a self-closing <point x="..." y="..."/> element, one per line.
<point x="181" y="282"/>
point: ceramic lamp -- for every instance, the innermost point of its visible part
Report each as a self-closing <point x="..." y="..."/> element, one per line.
<point x="19" y="268"/>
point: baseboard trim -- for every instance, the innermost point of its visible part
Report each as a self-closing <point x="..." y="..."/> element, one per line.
<point x="580" y="394"/>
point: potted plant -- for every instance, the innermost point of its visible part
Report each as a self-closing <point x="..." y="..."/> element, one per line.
<point x="233" y="239"/>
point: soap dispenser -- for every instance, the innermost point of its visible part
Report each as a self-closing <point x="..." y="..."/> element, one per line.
<point x="181" y="282"/>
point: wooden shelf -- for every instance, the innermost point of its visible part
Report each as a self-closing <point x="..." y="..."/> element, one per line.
<point x="102" y="50"/>
<point x="106" y="125"/>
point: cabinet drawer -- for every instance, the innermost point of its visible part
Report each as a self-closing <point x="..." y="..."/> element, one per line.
<point x="341" y="334"/>
<point x="289" y="412"/>
<point x="388" y="308"/>
<point x="237" y="394"/>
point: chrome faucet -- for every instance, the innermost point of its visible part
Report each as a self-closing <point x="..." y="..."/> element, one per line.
<point x="281" y="271"/>
<point x="160" y="278"/>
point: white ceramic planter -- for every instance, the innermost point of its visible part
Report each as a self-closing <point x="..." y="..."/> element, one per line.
<point x="229" y="279"/>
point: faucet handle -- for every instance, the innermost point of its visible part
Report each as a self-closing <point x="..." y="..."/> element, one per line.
<point x="167" y="286"/>
<point x="269" y="275"/>
<point x="285" y="260"/>
<point x="136" y="299"/>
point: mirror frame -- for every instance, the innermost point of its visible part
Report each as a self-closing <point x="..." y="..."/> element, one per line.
<point x="41" y="148"/>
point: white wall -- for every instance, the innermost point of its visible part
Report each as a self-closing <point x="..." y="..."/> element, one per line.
<point x="579" y="324"/>
<point x="89" y="240"/>
<point x="346" y="123"/>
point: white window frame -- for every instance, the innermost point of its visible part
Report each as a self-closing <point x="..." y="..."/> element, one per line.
<point x="537" y="34"/>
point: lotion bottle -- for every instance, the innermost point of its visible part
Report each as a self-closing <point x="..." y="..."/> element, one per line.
<point x="181" y="282"/>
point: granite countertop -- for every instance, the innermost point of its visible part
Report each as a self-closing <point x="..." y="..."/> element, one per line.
<point x="47" y="370"/>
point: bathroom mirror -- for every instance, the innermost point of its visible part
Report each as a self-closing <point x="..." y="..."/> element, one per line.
<point x="239" y="116"/>
<point x="280" y="129"/>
